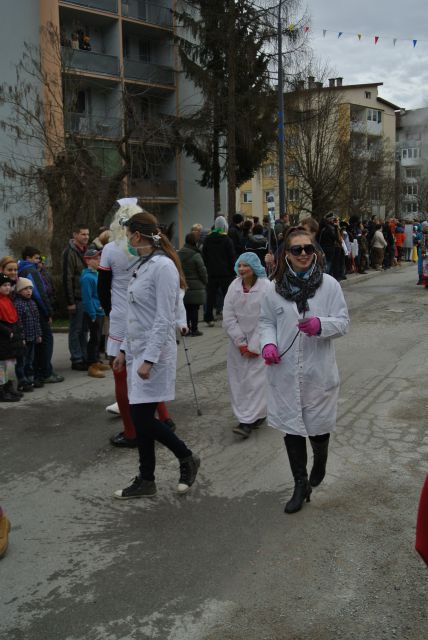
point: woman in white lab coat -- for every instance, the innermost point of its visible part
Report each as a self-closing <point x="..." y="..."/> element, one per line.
<point x="150" y="349"/>
<point x="299" y="317"/>
<point x="245" y="366"/>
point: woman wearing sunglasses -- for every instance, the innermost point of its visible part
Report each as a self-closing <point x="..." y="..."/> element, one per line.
<point x="300" y="315"/>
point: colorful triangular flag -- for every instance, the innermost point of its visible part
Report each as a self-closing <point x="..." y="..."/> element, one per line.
<point x="359" y="36"/>
<point x="324" y="31"/>
<point x="414" y="43"/>
<point x="376" y="39"/>
<point x="394" y="41"/>
<point x="306" y="29"/>
<point x="291" y="27"/>
<point x="339" y="34"/>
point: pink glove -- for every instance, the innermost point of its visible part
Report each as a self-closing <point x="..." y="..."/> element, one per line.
<point x="310" y="326"/>
<point x="270" y="354"/>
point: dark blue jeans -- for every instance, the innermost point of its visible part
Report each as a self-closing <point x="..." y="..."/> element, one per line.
<point x="77" y="334"/>
<point x="24" y="367"/>
<point x="44" y="351"/>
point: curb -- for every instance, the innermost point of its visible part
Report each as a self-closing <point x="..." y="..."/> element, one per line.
<point x="356" y="278"/>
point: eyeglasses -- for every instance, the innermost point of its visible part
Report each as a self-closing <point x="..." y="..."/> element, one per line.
<point x="297" y="249"/>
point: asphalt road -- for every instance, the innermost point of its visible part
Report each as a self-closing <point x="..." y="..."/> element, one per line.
<point x="225" y="562"/>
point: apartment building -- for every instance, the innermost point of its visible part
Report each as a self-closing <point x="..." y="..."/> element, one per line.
<point x="367" y="123"/>
<point x="112" y="49"/>
<point x="412" y="161"/>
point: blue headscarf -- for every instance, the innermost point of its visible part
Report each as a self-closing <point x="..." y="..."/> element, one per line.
<point x="253" y="261"/>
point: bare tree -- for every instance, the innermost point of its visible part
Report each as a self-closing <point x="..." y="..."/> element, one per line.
<point x="54" y="163"/>
<point x="318" y="144"/>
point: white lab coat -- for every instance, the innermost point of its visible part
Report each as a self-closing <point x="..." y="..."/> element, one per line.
<point x="247" y="376"/>
<point x="153" y="301"/>
<point x="303" y="388"/>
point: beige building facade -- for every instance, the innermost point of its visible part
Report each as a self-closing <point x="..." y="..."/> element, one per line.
<point x="367" y="122"/>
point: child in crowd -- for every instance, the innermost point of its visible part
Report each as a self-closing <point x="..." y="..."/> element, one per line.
<point x="11" y="343"/>
<point x="29" y="318"/>
<point x="94" y="314"/>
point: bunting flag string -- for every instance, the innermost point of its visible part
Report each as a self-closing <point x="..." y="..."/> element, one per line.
<point x="376" y="38"/>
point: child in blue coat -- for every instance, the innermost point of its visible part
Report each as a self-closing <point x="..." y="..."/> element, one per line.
<point x="94" y="314"/>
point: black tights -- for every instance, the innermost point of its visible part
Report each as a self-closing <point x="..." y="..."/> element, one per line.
<point x="322" y="438"/>
<point x="149" y="430"/>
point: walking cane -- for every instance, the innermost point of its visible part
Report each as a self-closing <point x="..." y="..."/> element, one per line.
<point x="186" y="349"/>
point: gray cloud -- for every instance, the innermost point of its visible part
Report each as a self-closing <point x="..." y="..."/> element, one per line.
<point x="402" y="69"/>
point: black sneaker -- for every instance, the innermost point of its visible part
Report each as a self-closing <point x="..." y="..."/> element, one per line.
<point x="188" y="472"/>
<point x="195" y="334"/>
<point x="170" y="423"/>
<point x="38" y="384"/>
<point x="138" y="489"/>
<point x="25" y="387"/>
<point x="257" y="423"/>
<point x="243" y="430"/>
<point x="79" y="366"/>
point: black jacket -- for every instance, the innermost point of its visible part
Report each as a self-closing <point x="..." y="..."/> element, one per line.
<point x="219" y="256"/>
<point x="11" y="341"/>
<point x="237" y="237"/>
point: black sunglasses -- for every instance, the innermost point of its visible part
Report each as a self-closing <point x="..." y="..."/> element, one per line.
<point x="297" y="249"/>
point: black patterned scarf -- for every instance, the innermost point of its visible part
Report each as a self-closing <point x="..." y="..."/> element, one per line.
<point x="299" y="289"/>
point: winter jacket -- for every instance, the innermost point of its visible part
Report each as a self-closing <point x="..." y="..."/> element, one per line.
<point x="219" y="256"/>
<point x="11" y="343"/>
<point x="259" y="245"/>
<point x="29" y="318"/>
<point x="195" y="273"/>
<point x="237" y="237"/>
<point x="27" y="269"/>
<point x="72" y="266"/>
<point x="89" y="291"/>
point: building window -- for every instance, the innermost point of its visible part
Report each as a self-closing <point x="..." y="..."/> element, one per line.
<point x="292" y="142"/>
<point x="247" y="196"/>
<point x="411" y="189"/>
<point x="368" y="95"/>
<point x="269" y="195"/>
<point x="374" y="115"/>
<point x="293" y="195"/>
<point x="375" y="194"/>
<point x="144" y="50"/>
<point x="411" y="207"/>
<point x="269" y="170"/>
<point x="413" y="172"/>
<point x="411" y="152"/>
<point x="293" y="169"/>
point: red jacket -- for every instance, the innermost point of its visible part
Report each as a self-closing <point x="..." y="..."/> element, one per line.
<point x="422" y="524"/>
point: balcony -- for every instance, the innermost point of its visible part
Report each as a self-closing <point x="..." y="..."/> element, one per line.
<point x="374" y="128"/>
<point x="89" y="61"/>
<point x="147" y="72"/>
<point x="152" y="130"/>
<point x="358" y="126"/>
<point x="154" y="189"/>
<point x="103" y="5"/>
<point x="151" y="13"/>
<point x="93" y="125"/>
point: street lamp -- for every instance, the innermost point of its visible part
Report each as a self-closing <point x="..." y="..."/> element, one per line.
<point x="281" y="131"/>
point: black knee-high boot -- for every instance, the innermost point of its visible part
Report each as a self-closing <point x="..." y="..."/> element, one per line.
<point x="298" y="457"/>
<point x="320" y="449"/>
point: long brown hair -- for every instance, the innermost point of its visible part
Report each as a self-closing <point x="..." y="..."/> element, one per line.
<point x="147" y="219"/>
<point x="292" y="232"/>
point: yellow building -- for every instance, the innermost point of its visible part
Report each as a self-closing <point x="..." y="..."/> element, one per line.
<point x="366" y="121"/>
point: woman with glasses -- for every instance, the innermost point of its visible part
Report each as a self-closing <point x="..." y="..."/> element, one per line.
<point x="300" y="315"/>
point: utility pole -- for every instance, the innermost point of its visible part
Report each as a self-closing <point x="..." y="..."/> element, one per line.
<point x="231" y="114"/>
<point x="281" y="129"/>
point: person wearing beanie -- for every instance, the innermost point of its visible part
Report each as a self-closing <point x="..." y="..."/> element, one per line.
<point x="219" y="257"/>
<point x="94" y="314"/>
<point x="11" y="342"/>
<point x="245" y="366"/>
<point x="236" y="234"/>
<point x="29" y="318"/>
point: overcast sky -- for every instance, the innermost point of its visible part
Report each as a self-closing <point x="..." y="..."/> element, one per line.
<point x="402" y="69"/>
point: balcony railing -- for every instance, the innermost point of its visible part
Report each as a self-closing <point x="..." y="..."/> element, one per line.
<point x="148" y="12"/>
<point x="90" y="61"/>
<point x="147" y="72"/>
<point x="93" y="125"/>
<point x="152" y="130"/>
<point x="358" y="126"/>
<point x="154" y="189"/>
<point x="104" y="5"/>
<point x="374" y="128"/>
